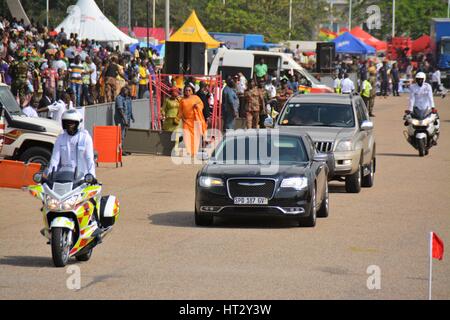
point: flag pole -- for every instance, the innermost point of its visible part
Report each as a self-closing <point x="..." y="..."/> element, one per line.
<point x="431" y="265"/>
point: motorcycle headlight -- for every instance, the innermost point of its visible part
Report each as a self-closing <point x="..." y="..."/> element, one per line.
<point x="297" y="183"/>
<point x="51" y="203"/>
<point x="415" y="122"/>
<point x="207" y="182"/>
<point x="70" y="203"/>
<point x="344" y="145"/>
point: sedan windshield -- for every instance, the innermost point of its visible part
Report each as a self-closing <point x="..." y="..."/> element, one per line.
<point x="317" y="115"/>
<point x="261" y="150"/>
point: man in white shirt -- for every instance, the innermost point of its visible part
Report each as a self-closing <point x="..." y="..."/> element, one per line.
<point x="73" y="148"/>
<point x="57" y="109"/>
<point x="436" y="79"/>
<point x="30" y="112"/>
<point x="347" y="85"/>
<point x="421" y="94"/>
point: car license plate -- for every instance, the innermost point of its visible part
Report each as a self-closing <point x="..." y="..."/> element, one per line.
<point x="251" y="200"/>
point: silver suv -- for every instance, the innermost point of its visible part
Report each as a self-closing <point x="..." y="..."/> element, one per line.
<point x="340" y="126"/>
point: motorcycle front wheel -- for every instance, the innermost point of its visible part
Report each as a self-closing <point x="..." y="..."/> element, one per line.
<point x="61" y="246"/>
<point x="421" y="147"/>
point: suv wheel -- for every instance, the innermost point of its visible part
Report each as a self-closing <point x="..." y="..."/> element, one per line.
<point x="367" y="181"/>
<point x="353" y="182"/>
<point x="37" y="155"/>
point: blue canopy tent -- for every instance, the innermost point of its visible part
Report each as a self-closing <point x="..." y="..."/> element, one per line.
<point x="159" y="48"/>
<point x="347" y="43"/>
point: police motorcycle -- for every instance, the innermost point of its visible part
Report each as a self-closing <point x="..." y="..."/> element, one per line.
<point x="422" y="129"/>
<point x="76" y="217"/>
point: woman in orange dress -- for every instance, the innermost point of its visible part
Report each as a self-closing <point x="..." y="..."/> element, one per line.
<point x="194" y="124"/>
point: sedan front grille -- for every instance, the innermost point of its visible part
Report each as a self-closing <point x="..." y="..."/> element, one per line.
<point x="251" y="188"/>
<point x="324" y="146"/>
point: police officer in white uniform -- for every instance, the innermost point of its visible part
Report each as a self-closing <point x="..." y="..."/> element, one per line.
<point x="421" y="96"/>
<point x="347" y="85"/>
<point x="73" y="150"/>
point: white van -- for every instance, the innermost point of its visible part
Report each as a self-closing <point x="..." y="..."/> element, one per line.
<point x="23" y="138"/>
<point x="229" y="62"/>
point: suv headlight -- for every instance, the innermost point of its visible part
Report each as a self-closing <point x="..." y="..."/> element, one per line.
<point x="207" y="182"/>
<point x="297" y="183"/>
<point x="344" y="145"/>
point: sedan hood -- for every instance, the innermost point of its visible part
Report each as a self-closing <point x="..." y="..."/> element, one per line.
<point x="257" y="171"/>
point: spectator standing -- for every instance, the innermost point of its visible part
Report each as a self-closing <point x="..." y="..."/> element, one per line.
<point x="194" y="124"/>
<point x="254" y="98"/>
<point x="144" y="73"/>
<point x="347" y="85"/>
<point x="169" y="111"/>
<point x="283" y="94"/>
<point x="120" y="112"/>
<point x="111" y="74"/>
<point x="204" y="95"/>
<point x="261" y="70"/>
<point x="395" y="80"/>
<point x="373" y="92"/>
<point x="30" y="110"/>
<point x="76" y="72"/>
<point x="230" y="104"/>
<point x="436" y="79"/>
<point x="383" y="72"/>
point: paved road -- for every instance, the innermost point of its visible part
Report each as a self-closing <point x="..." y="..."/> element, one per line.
<point x="156" y="252"/>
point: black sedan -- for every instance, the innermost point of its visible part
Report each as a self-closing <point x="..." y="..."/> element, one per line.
<point x="263" y="172"/>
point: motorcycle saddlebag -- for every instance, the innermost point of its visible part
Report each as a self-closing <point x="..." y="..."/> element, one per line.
<point x="109" y="211"/>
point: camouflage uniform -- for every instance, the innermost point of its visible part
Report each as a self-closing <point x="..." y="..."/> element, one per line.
<point x="20" y="74"/>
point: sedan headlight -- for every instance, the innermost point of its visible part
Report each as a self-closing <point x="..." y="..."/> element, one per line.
<point x="52" y="203"/>
<point x="70" y="203"/>
<point x="207" y="182"/>
<point x="297" y="183"/>
<point x="344" y="145"/>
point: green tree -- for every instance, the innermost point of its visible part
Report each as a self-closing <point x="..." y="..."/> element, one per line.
<point x="412" y="17"/>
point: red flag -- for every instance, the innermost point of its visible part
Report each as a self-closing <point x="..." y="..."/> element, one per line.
<point x="437" y="247"/>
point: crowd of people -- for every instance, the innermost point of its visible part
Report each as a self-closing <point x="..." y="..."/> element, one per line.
<point x="45" y="67"/>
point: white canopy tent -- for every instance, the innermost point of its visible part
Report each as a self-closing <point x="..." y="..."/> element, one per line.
<point x="88" y="21"/>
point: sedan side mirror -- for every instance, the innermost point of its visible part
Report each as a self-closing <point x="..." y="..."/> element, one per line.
<point x="320" y="157"/>
<point x="367" y="125"/>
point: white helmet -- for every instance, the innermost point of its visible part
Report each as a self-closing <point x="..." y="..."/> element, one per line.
<point x="68" y="119"/>
<point x="71" y="115"/>
<point x="421" y="75"/>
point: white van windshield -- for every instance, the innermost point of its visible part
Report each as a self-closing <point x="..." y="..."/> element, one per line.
<point x="8" y="101"/>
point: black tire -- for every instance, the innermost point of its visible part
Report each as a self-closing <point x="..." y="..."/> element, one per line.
<point x="421" y="147"/>
<point x="37" y="155"/>
<point x="353" y="182"/>
<point x="367" y="181"/>
<point x="310" y="220"/>
<point x="60" y="249"/>
<point x="325" y="206"/>
<point x="85" y="256"/>
<point x="204" y="219"/>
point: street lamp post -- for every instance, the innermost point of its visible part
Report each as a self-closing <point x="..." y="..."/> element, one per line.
<point x="350" y="15"/>
<point x="393" y="18"/>
<point x="290" y="19"/>
<point x="47" y="12"/>
<point x="167" y="26"/>
<point x="148" y="24"/>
